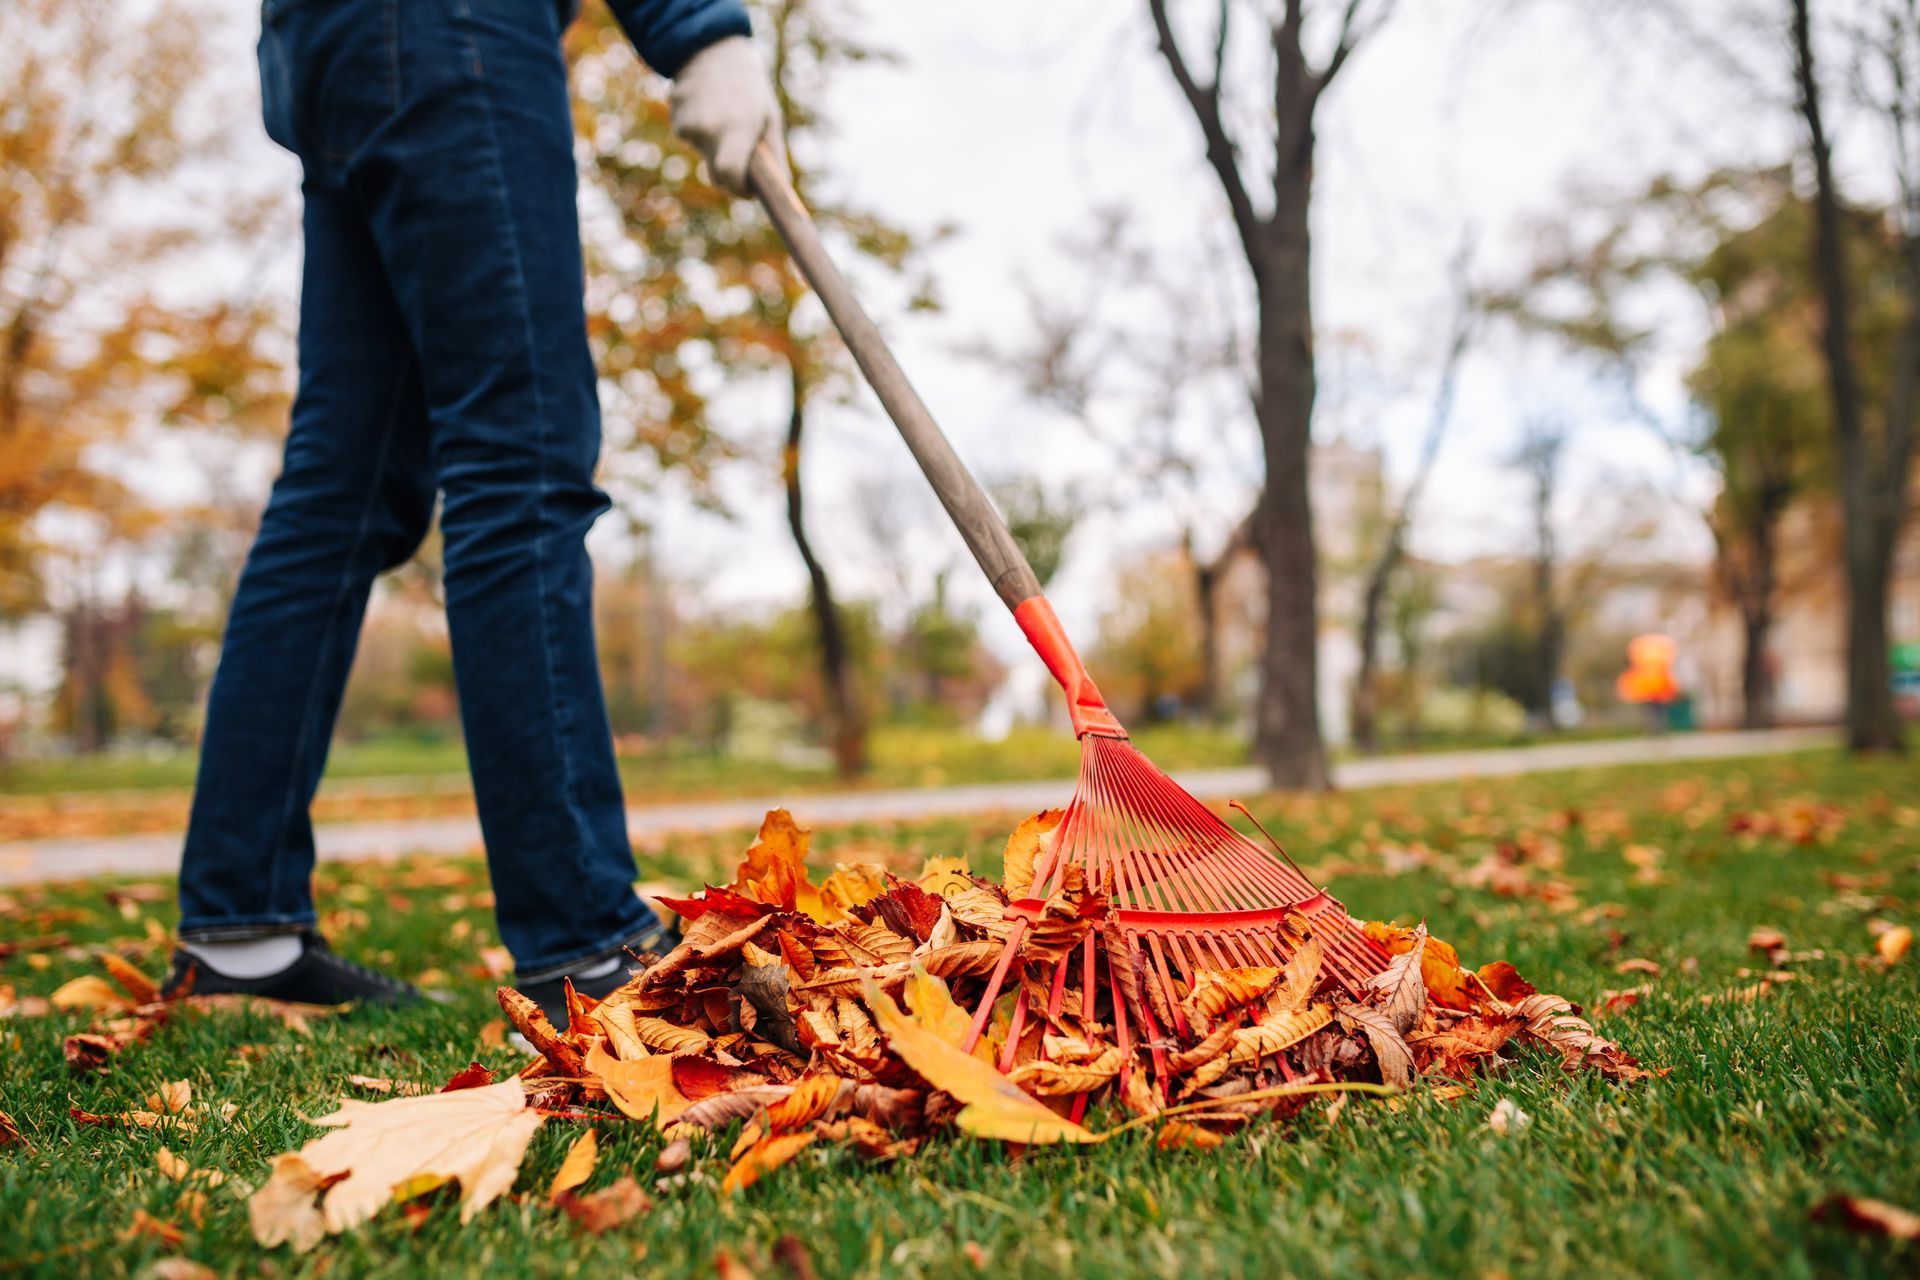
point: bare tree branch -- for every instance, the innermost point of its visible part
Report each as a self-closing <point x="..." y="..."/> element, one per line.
<point x="1204" y="100"/>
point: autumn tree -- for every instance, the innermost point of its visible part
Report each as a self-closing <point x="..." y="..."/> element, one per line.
<point x="103" y="128"/>
<point x="1268" y="190"/>
<point x="1872" y="435"/>
<point x="708" y="295"/>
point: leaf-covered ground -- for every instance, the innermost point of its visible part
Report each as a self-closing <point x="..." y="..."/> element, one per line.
<point x="1778" y="1098"/>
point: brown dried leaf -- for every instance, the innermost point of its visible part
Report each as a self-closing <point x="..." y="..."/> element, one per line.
<point x="1402" y="990"/>
<point x="812" y="1098"/>
<point x="1278" y="1031"/>
<point x="531" y="1021"/>
<point x="1553" y="1021"/>
<point x="136" y="984"/>
<point x="673" y="1157"/>
<point x="1055" y="1079"/>
<point x="1217" y="991"/>
<point x="1390" y="1049"/>
<point x="601" y="1211"/>
<point x="668" y="1037"/>
<point x="1028" y="847"/>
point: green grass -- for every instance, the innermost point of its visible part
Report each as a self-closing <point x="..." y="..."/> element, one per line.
<point x="1770" y="1107"/>
<point x="902" y="756"/>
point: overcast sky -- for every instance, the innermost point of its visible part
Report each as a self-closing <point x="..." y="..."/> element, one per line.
<point x="1013" y="122"/>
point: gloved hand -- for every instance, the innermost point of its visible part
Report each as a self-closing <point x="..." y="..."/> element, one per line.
<point x="723" y="103"/>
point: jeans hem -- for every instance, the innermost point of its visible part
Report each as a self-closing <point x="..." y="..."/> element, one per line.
<point x="628" y="940"/>
<point x="245" y="929"/>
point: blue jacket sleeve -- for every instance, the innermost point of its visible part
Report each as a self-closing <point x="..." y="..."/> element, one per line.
<point x="668" y="32"/>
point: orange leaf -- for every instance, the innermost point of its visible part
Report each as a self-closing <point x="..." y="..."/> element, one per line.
<point x="995" y="1106"/>
<point x="762" y="1158"/>
<point x="1029" y="841"/>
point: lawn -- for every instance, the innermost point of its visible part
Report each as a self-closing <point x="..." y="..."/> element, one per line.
<point x="1774" y="1101"/>
<point x="397" y="778"/>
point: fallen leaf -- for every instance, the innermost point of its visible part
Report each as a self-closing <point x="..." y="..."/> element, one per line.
<point x="1029" y="843"/>
<point x="90" y="992"/>
<point x="147" y="1227"/>
<point x="1869" y="1217"/>
<point x="471" y="1076"/>
<point x="1507" y="1119"/>
<point x="763" y="1157"/>
<point x="138" y="986"/>
<point x="475" y="1136"/>
<point x="1178" y="1133"/>
<point x="1402" y="989"/>
<point x="176" y="1269"/>
<point x="1390" y="1049"/>
<point x="601" y="1211"/>
<point x="993" y="1106"/>
<point x="576" y="1168"/>
<point x="791" y="1252"/>
<point x="1893" y="943"/>
<point x="10" y="1138"/>
<point x="640" y="1087"/>
<point x="673" y="1157"/>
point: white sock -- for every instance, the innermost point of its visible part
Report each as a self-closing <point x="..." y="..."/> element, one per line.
<point x="248" y="957"/>
<point x="598" y="969"/>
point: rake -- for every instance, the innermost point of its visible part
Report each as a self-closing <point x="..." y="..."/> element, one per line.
<point x="1188" y="892"/>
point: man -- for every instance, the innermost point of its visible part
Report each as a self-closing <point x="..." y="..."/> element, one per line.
<point x="443" y="350"/>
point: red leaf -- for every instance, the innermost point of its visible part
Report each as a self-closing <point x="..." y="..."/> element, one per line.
<point x="474" y="1076"/>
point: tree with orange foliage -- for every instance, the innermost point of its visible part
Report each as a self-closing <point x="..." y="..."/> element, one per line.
<point x="710" y="287"/>
<point x="98" y="137"/>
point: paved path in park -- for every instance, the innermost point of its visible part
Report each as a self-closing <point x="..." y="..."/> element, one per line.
<point x="63" y="859"/>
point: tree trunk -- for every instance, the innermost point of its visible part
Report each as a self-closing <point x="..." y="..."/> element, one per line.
<point x="846" y="727"/>
<point x="1756" y="612"/>
<point x="1873" y="722"/>
<point x="1206" y="588"/>
<point x="1287" y="714"/>
<point x="1366" y="693"/>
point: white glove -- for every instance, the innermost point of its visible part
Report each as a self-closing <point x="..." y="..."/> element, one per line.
<point x="723" y="103"/>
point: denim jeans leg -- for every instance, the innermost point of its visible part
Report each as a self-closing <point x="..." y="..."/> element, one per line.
<point x="470" y="194"/>
<point x="354" y="496"/>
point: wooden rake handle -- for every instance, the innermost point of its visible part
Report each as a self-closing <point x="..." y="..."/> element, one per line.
<point x="972" y="513"/>
<point x="966" y="502"/>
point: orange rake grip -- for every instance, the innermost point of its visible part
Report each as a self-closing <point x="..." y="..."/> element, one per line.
<point x="1085" y="706"/>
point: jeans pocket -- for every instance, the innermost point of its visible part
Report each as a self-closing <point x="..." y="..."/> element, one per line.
<point x="337" y="63"/>
<point x="276" y="92"/>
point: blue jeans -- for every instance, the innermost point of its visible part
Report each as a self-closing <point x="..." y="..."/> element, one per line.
<point x="443" y="349"/>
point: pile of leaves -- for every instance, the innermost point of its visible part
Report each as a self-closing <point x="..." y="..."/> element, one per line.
<point x="839" y="1013"/>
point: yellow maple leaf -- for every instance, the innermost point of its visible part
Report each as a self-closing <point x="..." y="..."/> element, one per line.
<point x="932" y="1005"/>
<point x="994" y="1107"/>
<point x="943" y="877"/>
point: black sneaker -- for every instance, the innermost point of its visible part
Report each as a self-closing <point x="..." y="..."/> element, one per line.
<point x="551" y="993"/>
<point x="317" y="977"/>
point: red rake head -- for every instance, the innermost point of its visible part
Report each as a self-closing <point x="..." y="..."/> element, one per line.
<point x="1187" y="893"/>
